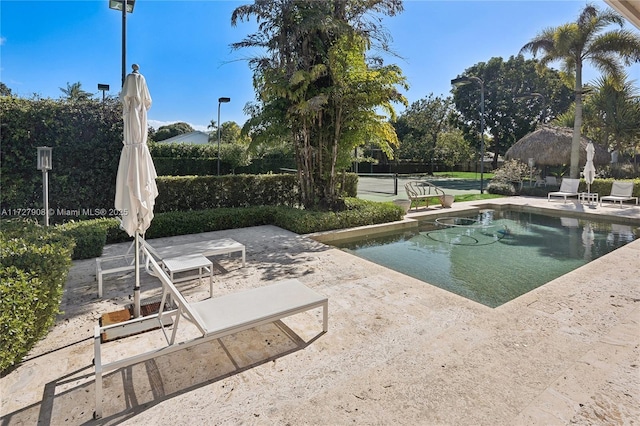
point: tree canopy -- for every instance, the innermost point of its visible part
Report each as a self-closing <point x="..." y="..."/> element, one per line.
<point x="171" y="130"/>
<point x="316" y="86"/>
<point x="420" y="125"/>
<point x="576" y="43"/>
<point x="74" y="92"/>
<point x="508" y="116"/>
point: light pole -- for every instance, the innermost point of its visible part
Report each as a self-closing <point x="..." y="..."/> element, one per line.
<point x="220" y="101"/>
<point x="104" y="88"/>
<point x="128" y="7"/>
<point x="461" y="81"/>
<point x="45" y="163"/>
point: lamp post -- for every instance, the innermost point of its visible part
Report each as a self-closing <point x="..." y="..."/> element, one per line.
<point x="104" y="88"/>
<point x="220" y="101"/>
<point x="125" y="6"/>
<point x="464" y="80"/>
<point x="45" y="164"/>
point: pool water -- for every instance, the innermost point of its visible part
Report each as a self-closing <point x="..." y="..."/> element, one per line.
<point x="493" y="256"/>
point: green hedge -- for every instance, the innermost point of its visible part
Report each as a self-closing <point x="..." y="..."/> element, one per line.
<point x="86" y="138"/>
<point x="188" y="193"/>
<point x="34" y="263"/>
<point x="89" y="236"/>
<point x="600" y="186"/>
<point x="358" y="213"/>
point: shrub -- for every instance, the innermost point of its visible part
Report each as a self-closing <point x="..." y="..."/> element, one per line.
<point x="506" y="179"/>
<point x="358" y="213"/>
<point x="86" y="137"/>
<point x="34" y="263"/>
<point x="90" y="237"/>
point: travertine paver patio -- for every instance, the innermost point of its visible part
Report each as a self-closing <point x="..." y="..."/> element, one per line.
<point x="397" y="351"/>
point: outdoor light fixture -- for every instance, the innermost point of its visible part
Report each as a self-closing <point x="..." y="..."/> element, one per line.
<point x="220" y="101"/>
<point x="531" y="162"/>
<point x="117" y="5"/>
<point x="45" y="164"/>
<point x="464" y="80"/>
<point x="104" y="88"/>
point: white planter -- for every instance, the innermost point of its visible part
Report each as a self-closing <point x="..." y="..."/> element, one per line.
<point x="405" y="204"/>
<point x="446" y="200"/>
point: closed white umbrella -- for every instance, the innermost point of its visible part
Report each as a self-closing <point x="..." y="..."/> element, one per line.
<point x="589" y="168"/>
<point x="136" y="188"/>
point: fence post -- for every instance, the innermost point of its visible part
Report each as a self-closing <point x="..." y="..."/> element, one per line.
<point x="395" y="184"/>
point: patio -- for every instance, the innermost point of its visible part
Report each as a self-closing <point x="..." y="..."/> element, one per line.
<point x="397" y="351"/>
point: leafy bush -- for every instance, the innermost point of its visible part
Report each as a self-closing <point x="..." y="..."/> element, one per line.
<point x="86" y="137"/>
<point x="358" y="213"/>
<point x="506" y="179"/>
<point x="184" y="193"/>
<point x="511" y="171"/>
<point x="502" y="188"/>
<point x="34" y="263"/>
<point x="89" y="236"/>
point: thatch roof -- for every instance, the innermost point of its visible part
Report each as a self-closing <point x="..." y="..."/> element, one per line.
<point x="551" y="146"/>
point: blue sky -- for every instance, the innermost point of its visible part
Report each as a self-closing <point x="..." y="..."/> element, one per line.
<point x="183" y="48"/>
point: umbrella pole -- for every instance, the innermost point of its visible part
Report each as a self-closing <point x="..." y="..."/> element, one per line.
<point x="136" y="289"/>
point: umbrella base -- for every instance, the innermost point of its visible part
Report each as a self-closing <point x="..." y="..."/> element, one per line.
<point x="126" y="314"/>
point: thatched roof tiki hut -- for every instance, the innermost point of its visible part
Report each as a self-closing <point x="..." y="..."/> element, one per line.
<point x="551" y="146"/>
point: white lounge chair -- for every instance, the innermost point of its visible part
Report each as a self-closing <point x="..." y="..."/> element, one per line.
<point x="213" y="317"/>
<point x="206" y="248"/>
<point x="568" y="188"/>
<point x="620" y="191"/>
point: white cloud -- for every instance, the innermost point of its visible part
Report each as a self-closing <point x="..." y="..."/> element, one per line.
<point x="2" y="41"/>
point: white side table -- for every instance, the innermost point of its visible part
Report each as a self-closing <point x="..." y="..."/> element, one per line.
<point x="190" y="262"/>
<point x="588" y="197"/>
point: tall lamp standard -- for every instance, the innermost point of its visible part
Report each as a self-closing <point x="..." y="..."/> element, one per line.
<point x="220" y="101"/>
<point x="128" y="7"/>
<point x="45" y="163"/>
<point x="464" y="80"/>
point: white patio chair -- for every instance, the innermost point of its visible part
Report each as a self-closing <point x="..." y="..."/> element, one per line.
<point x="568" y="188"/>
<point x="620" y="191"/>
<point x="214" y="318"/>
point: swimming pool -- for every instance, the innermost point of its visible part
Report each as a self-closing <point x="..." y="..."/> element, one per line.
<point x="493" y="256"/>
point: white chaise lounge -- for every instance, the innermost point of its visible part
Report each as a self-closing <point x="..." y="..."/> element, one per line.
<point x="620" y="191"/>
<point x="205" y="248"/>
<point x="568" y="188"/>
<point x="214" y="318"/>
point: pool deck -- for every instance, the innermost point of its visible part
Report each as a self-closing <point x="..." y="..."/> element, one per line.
<point x="397" y="351"/>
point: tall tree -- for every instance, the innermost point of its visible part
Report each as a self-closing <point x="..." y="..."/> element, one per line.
<point x="421" y="124"/>
<point x="577" y="43"/>
<point x="317" y="88"/>
<point x="171" y="130"/>
<point x="612" y="114"/>
<point x="4" y="90"/>
<point x="508" y="118"/>
<point x="74" y="92"/>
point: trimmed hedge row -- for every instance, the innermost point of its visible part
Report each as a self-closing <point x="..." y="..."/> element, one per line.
<point x="599" y="186"/>
<point x="186" y="193"/>
<point x="90" y="233"/>
<point x="34" y="263"/>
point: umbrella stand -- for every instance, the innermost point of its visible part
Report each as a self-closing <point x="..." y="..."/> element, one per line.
<point x="136" y="288"/>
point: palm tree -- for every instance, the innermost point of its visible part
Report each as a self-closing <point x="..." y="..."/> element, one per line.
<point x="583" y="41"/>
<point x="614" y="114"/>
<point x="74" y="92"/>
